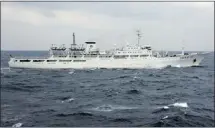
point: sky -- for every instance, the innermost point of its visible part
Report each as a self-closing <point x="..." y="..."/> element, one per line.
<point x="164" y="25"/>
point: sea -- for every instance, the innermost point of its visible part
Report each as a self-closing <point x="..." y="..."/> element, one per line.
<point x="167" y="97"/>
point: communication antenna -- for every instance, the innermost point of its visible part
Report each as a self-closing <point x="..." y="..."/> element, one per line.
<point x="73" y="38"/>
<point x="139" y="36"/>
<point x="115" y="46"/>
<point x="127" y="43"/>
<point x="182" y="51"/>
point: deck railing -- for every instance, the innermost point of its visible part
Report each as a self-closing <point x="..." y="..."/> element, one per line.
<point x="31" y="57"/>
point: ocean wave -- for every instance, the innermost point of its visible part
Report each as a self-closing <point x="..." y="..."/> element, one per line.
<point x="43" y="111"/>
<point x="17" y="88"/>
<point x="182" y="104"/>
<point x="166" y="87"/>
<point x="32" y="86"/>
<point x="118" y="120"/>
<point x="119" y="77"/>
<point x="95" y="68"/>
<point x="133" y="91"/>
<point x="74" y="114"/>
<point x="17" y="125"/>
<point x="160" y="109"/>
<point x="109" y="108"/>
<point x="203" y="120"/>
<point x="183" y="121"/>
<point x="71" y="72"/>
<point x="57" y="76"/>
<point x="130" y="82"/>
<point x="154" y="75"/>
<point x="124" y="76"/>
<point x="135" y="77"/>
<point x="67" y="100"/>
<point x="87" y="70"/>
<point x="165" y="108"/>
<point x="177" y="104"/>
<point x="5" y="70"/>
<point x="165" y="117"/>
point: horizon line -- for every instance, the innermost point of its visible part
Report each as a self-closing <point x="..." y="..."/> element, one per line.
<point x="153" y="50"/>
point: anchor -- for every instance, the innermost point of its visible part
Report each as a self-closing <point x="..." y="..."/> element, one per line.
<point x="194" y="60"/>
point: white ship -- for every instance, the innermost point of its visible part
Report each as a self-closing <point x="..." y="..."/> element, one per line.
<point x="80" y="57"/>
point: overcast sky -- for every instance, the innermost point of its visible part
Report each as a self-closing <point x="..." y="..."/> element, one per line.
<point x="165" y="25"/>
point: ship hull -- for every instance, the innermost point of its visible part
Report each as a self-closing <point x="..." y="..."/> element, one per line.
<point x="146" y="62"/>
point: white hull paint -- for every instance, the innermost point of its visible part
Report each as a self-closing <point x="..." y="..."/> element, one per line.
<point x="145" y="62"/>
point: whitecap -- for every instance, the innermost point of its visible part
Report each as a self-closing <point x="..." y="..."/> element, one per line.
<point x="159" y="67"/>
<point x="178" y="66"/>
<point x="124" y="107"/>
<point x="135" y="77"/>
<point x="17" y="125"/>
<point x="71" y="99"/>
<point x="166" y="107"/>
<point x="71" y="71"/>
<point x="108" y="108"/>
<point x="68" y="100"/>
<point x="184" y="105"/>
<point x="165" y="117"/>
<point x="104" y="108"/>
<point x="93" y="69"/>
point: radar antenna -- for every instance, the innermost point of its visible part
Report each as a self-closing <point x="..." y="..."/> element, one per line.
<point x="139" y="36"/>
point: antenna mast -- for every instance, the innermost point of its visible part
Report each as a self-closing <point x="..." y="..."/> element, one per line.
<point x="139" y="36"/>
<point x="182" y="51"/>
<point x="73" y="38"/>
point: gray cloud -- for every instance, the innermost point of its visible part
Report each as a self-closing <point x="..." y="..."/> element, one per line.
<point x="165" y="25"/>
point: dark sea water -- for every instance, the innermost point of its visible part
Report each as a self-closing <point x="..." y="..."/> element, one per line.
<point x="107" y="97"/>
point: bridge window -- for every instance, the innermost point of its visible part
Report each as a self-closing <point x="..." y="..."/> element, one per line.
<point x="24" y="60"/>
<point x="79" y="60"/>
<point x="133" y="55"/>
<point x="120" y="56"/>
<point x="38" y="60"/>
<point x="51" y="60"/>
<point x="65" y="60"/>
<point x="144" y="55"/>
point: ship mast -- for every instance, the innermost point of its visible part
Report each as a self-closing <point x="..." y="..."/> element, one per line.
<point x="73" y="38"/>
<point x="182" y="52"/>
<point x="139" y="36"/>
